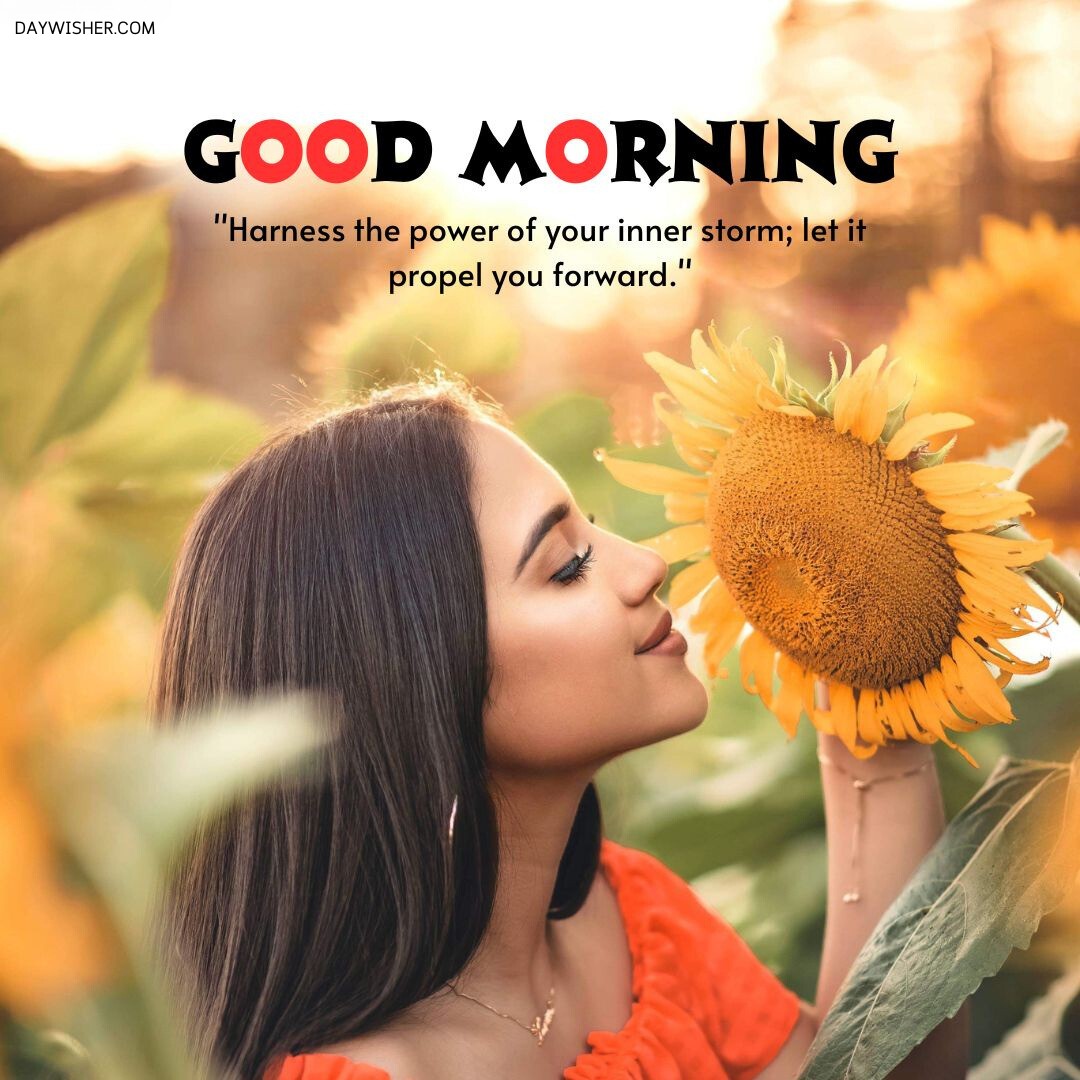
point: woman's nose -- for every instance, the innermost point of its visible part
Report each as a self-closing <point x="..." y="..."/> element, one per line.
<point x="644" y="573"/>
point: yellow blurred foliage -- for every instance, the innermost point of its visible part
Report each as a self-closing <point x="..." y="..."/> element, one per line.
<point x="101" y="465"/>
<point x="102" y="668"/>
<point x="54" y="942"/>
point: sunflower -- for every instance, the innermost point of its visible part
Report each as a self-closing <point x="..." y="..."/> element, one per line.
<point x="856" y="556"/>
<point x="962" y="333"/>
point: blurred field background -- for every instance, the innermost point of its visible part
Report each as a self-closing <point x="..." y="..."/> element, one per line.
<point x="142" y="356"/>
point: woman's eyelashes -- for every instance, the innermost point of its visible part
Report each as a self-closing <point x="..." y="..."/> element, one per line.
<point x="575" y="569"/>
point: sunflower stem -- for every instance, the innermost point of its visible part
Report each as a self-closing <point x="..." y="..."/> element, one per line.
<point x="1053" y="575"/>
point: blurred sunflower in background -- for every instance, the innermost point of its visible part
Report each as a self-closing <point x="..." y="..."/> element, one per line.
<point x="856" y="555"/>
<point x="1001" y="331"/>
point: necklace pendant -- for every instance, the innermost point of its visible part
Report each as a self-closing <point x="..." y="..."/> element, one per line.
<point x="539" y="1027"/>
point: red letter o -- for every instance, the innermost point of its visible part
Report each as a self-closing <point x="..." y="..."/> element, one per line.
<point x="555" y="151"/>
<point x="251" y="151"/>
<point x="337" y="172"/>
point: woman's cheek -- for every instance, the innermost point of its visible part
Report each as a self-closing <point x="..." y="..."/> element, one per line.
<point x="557" y="674"/>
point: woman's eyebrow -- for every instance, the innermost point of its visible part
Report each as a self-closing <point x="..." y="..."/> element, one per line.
<point x="547" y="521"/>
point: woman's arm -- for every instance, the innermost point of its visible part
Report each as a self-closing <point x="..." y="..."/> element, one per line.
<point x="901" y="818"/>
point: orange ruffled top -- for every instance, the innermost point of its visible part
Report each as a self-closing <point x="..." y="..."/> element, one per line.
<point x="705" y="1008"/>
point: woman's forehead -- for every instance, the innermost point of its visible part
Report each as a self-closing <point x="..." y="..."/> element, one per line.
<point x="512" y="483"/>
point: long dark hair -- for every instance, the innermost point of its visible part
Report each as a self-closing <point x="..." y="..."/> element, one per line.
<point x="341" y="558"/>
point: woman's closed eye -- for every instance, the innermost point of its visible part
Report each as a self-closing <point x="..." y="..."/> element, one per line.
<point x="575" y="569"/>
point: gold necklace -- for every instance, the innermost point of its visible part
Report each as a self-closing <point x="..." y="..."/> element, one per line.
<point x="539" y="1026"/>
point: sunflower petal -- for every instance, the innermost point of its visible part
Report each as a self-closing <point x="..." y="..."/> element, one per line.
<point x="738" y="391"/>
<point x="961" y="700"/>
<point x="686" y="584"/>
<point x="757" y="659"/>
<point x="867" y="719"/>
<point x="767" y="398"/>
<point x="871" y="420"/>
<point x="998" y="655"/>
<point x="654" y="479"/>
<point x="721" y="638"/>
<point x="842" y="710"/>
<point x="1008" y="583"/>
<point x="920" y="428"/>
<point x="934" y="682"/>
<point x="680" y="509"/>
<point x="740" y="357"/>
<point x="1021" y="594"/>
<point x="852" y="391"/>
<point x="780" y="379"/>
<point x="1002" y="549"/>
<point x="787" y="706"/>
<point x="901" y="710"/>
<point x="694" y="391"/>
<point x="980" y="502"/>
<point x="679" y="543"/>
<point x="702" y="438"/>
<point x="821" y="720"/>
<point x="957" y="476"/>
<point x="968" y="522"/>
<point x="900" y="383"/>
<point x="716" y="603"/>
<point x="979" y="683"/>
<point x="926" y="711"/>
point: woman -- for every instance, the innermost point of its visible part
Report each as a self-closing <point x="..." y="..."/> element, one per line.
<point x="439" y="903"/>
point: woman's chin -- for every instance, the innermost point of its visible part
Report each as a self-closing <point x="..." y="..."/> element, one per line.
<point x="683" y="708"/>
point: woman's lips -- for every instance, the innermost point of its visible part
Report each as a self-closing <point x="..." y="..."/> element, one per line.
<point x="663" y="641"/>
<point x="674" y="644"/>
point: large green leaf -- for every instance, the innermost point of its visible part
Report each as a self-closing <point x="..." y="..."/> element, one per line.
<point x="76" y="300"/>
<point x="1045" y="1045"/>
<point x="1002" y="863"/>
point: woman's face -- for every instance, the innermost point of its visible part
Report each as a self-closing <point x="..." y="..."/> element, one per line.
<point x="570" y="607"/>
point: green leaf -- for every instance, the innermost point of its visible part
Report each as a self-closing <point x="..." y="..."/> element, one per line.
<point x="108" y="508"/>
<point x="160" y="427"/>
<point x="122" y="799"/>
<point x="740" y="815"/>
<point x="162" y="782"/>
<point x="76" y="300"/>
<point x="1025" y="453"/>
<point x="140" y="472"/>
<point x="1002" y="863"/>
<point x="389" y="338"/>
<point x="1045" y="1045"/>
